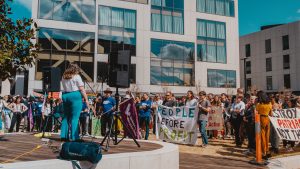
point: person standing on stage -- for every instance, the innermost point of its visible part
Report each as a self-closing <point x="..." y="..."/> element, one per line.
<point x="108" y="107"/>
<point x="73" y="92"/>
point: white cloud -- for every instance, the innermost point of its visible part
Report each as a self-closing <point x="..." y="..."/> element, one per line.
<point x="298" y="11"/>
<point x="24" y="3"/>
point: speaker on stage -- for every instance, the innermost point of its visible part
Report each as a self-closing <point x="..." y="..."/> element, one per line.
<point x="119" y="69"/>
<point x="51" y="79"/>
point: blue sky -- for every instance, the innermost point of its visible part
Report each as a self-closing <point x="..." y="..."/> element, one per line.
<point x="255" y="13"/>
<point x="252" y="13"/>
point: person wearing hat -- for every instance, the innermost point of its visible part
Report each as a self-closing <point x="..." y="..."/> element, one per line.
<point x="204" y="109"/>
<point x="108" y="107"/>
<point x="73" y="92"/>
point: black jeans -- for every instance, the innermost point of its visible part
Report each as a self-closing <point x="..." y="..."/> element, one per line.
<point x="250" y="127"/>
<point x="38" y="123"/>
<point x="236" y="122"/>
<point x="84" y="124"/>
<point x="105" y="120"/>
<point x="16" y="119"/>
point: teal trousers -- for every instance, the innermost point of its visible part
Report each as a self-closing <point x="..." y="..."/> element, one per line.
<point x="72" y="103"/>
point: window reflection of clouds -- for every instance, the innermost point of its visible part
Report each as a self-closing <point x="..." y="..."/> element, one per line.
<point x="79" y="11"/>
<point x="172" y="63"/>
<point x="221" y="78"/>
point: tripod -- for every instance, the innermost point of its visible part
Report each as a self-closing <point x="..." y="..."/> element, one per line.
<point x="116" y="116"/>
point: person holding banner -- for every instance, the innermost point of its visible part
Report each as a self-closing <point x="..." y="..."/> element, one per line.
<point x="191" y="100"/>
<point x="145" y="113"/>
<point x="204" y="109"/>
<point x="274" y="138"/>
<point x="288" y="145"/>
<point x="73" y="91"/>
<point x="264" y="109"/>
<point x="169" y="101"/>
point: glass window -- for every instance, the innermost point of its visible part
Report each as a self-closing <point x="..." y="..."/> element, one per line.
<point x="269" y="64"/>
<point x="268" y="48"/>
<point x="211" y="43"/>
<point x="167" y="16"/>
<point x="172" y="63"/>
<point x="248" y="50"/>
<point x="286" y="61"/>
<point x="221" y="78"/>
<point x="248" y="84"/>
<point x="218" y="7"/>
<point x="64" y="47"/>
<point x="269" y="83"/>
<point x="285" y="42"/>
<point x="248" y="67"/>
<point x="287" y="81"/>
<point x="117" y="30"/>
<point x="81" y="11"/>
<point x="137" y="1"/>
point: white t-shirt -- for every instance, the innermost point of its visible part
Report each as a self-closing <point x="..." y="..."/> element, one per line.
<point x="191" y="103"/>
<point x="71" y="85"/>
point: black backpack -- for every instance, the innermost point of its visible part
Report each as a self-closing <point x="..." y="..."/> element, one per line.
<point x="81" y="151"/>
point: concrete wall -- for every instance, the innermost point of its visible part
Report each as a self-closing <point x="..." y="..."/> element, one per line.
<point x="5" y="88"/>
<point x="258" y="56"/>
<point x="165" y="158"/>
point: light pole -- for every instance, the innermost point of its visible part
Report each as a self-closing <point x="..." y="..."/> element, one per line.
<point x="245" y="80"/>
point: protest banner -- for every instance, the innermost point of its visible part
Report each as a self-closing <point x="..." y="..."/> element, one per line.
<point x="215" y="119"/>
<point x="177" y="124"/>
<point x="287" y="123"/>
<point x="130" y="117"/>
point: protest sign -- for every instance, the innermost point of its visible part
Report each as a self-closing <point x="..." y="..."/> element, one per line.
<point x="177" y="124"/>
<point x="287" y="123"/>
<point x="130" y="117"/>
<point x="215" y="119"/>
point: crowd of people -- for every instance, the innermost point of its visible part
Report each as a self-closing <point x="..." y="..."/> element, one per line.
<point x="74" y="112"/>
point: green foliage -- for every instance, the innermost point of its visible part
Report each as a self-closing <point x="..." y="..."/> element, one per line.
<point x="17" y="51"/>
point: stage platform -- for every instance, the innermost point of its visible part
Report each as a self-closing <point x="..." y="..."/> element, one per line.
<point x="126" y="155"/>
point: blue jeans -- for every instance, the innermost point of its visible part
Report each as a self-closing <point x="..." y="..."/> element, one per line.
<point x="0" y="120"/>
<point x="72" y="103"/>
<point x="202" y="129"/>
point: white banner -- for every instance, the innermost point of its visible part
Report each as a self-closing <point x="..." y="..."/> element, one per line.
<point x="178" y="124"/>
<point x="215" y="119"/>
<point x="287" y="123"/>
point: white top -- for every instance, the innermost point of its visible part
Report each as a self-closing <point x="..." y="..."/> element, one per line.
<point x="71" y="85"/>
<point x="19" y="107"/>
<point x="191" y="103"/>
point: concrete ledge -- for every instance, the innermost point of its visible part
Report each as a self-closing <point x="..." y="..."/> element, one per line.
<point x="166" y="157"/>
<point x="292" y="162"/>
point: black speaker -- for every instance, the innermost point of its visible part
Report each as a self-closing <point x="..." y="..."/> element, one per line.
<point x="51" y="79"/>
<point x="119" y="69"/>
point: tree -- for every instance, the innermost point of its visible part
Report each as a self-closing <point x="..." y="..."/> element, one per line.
<point x="17" y="51"/>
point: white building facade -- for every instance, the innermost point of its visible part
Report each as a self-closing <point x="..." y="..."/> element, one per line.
<point x="271" y="58"/>
<point x="175" y="45"/>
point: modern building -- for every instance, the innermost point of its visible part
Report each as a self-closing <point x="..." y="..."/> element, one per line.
<point x="175" y="45"/>
<point x="271" y="58"/>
